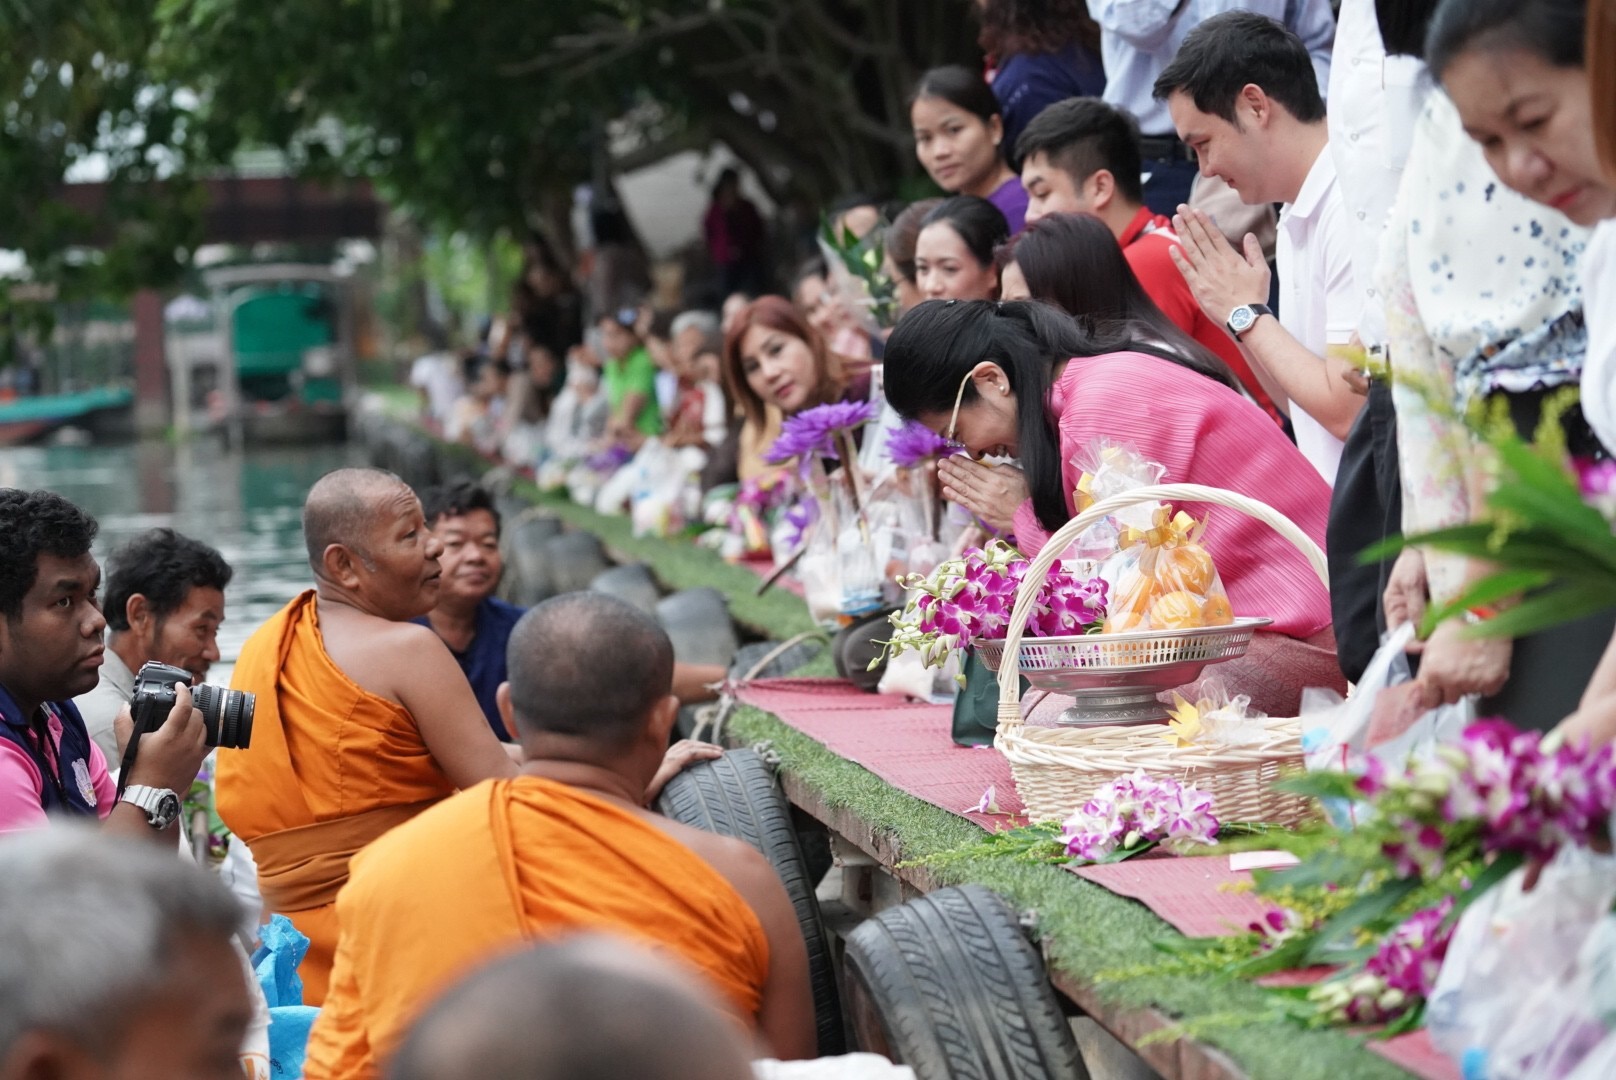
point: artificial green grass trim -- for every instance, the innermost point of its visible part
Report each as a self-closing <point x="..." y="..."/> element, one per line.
<point x="1085" y="927"/>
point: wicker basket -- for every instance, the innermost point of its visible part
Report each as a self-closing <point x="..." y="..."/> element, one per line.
<point x="1057" y="769"/>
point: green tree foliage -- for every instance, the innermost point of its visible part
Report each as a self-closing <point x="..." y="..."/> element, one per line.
<point x="76" y="79"/>
<point x="476" y="115"/>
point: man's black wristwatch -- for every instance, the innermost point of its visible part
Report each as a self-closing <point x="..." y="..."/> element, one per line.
<point x="161" y="806"/>
<point x="1245" y="316"/>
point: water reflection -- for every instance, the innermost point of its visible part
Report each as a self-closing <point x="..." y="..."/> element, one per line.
<point x="245" y="504"/>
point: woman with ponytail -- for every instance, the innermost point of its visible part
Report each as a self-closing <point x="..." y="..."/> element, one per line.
<point x="1022" y="379"/>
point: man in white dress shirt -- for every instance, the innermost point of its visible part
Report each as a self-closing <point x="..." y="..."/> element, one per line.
<point x="1138" y="38"/>
<point x="1243" y="94"/>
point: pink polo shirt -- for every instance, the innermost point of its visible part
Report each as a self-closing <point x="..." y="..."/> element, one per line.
<point x="22" y="786"/>
<point x="1204" y="433"/>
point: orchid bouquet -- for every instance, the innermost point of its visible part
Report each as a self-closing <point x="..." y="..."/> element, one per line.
<point x="1134" y="813"/>
<point x="970" y="598"/>
<point x="757" y="502"/>
<point x="1126" y="817"/>
<point x="1380" y="900"/>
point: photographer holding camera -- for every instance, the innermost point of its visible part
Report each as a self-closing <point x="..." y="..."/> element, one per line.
<point x="51" y="652"/>
<point x="164" y="601"/>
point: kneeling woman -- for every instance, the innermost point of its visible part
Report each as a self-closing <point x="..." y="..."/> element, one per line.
<point x="1022" y="379"/>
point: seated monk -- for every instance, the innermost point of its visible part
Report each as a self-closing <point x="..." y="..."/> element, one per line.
<point x="363" y="718"/>
<point x="589" y="1006"/>
<point x="567" y="845"/>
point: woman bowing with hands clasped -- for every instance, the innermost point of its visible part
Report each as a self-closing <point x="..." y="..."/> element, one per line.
<point x="1022" y="379"/>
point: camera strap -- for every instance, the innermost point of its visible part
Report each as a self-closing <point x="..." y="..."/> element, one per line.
<point x="129" y="754"/>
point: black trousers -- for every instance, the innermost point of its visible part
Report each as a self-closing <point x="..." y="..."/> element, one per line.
<point x="1366" y="508"/>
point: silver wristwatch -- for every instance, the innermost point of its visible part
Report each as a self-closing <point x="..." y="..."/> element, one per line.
<point x="161" y="805"/>
<point x="1244" y="317"/>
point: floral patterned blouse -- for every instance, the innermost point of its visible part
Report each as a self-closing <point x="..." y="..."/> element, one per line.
<point x="1483" y="297"/>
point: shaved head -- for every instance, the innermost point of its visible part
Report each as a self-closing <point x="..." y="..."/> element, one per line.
<point x="589" y="1008"/>
<point x="589" y="665"/>
<point x="342" y="509"/>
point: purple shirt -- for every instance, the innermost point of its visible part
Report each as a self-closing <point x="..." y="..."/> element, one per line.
<point x="1011" y="199"/>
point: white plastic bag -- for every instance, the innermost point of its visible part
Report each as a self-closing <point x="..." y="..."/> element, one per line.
<point x="1512" y="999"/>
<point x="1341" y="735"/>
<point x="1600" y="1064"/>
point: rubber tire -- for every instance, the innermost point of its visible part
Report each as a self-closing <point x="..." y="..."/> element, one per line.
<point x="736" y="795"/>
<point x="957" y="991"/>
<point x="750" y="655"/>
<point x="858" y="643"/>
<point x="699" y="625"/>
<point x="633" y="583"/>
<point x="574" y="559"/>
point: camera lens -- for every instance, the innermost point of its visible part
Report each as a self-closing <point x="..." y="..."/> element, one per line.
<point x="227" y="715"/>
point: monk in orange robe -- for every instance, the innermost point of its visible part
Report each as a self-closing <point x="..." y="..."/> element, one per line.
<point x="363" y="718"/>
<point x="566" y="845"/>
<point x="591" y="1005"/>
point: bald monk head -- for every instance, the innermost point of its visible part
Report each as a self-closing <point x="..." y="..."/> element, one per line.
<point x="591" y="680"/>
<point x="369" y="545"/>
<point x="589" y="1008"/>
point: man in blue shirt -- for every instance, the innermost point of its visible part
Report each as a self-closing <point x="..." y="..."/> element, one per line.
<point x="471" y="620"/>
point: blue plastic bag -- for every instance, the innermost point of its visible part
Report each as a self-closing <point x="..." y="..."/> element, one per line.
<point x="281" y="949"/>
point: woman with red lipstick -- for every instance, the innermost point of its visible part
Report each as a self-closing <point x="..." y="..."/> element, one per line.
<point x="776" y="364"/>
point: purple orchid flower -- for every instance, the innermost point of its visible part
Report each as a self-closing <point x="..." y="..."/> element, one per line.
<point x="814" y="431"/>
<point x="914" y="444"/>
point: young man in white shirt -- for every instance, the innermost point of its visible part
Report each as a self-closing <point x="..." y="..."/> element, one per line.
<point x="1139" y="38"/>
<point x="1244" y="96"/>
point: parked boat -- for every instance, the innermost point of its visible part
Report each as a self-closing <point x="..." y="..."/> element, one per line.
<point x="104" y="410"/>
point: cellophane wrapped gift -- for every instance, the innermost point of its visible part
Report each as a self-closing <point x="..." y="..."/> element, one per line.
<point x="1160" y="575"/>
<point x="1162" y="578"/>
<point x="1108" y="468"/>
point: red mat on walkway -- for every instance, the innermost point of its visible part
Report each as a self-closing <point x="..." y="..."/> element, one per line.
<point x="905" y="743"/>
<point x="1416" y="1053"/>
<point x="1199" y="895"/>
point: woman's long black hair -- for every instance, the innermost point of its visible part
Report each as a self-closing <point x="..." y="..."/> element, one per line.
<point x="1073" y="262"/>
<point x="939" y="342"/>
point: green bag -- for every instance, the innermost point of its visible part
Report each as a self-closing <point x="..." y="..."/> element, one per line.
<point x="976" y="709"/>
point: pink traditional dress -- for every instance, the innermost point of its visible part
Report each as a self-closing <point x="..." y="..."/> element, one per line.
<point x="1206" y="434"/>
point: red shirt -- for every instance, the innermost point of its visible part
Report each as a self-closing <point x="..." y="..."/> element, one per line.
<point x="1147" y="244"/>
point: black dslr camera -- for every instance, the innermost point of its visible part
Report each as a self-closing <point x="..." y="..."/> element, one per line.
<point x="227" y="714"/>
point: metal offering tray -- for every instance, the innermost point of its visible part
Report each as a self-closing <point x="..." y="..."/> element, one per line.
<point x="1115" y="677"/>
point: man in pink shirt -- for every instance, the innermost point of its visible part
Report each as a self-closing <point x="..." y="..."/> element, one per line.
<point x="50" y="652"/>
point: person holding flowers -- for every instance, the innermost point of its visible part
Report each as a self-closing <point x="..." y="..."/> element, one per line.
<point x="1021" y="379"/>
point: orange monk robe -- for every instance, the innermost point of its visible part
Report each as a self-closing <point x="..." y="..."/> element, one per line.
<point x="501" y="864"/>
<point x="331" y="767"/>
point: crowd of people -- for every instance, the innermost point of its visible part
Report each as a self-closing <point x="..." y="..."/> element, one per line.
<point x="1104" y="262"/>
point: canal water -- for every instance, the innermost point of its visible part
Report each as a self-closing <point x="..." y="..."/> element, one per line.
<point x="246" y="504"/>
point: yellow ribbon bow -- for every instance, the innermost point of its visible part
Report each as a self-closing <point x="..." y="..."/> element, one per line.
<point x="1167" y="529"/>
